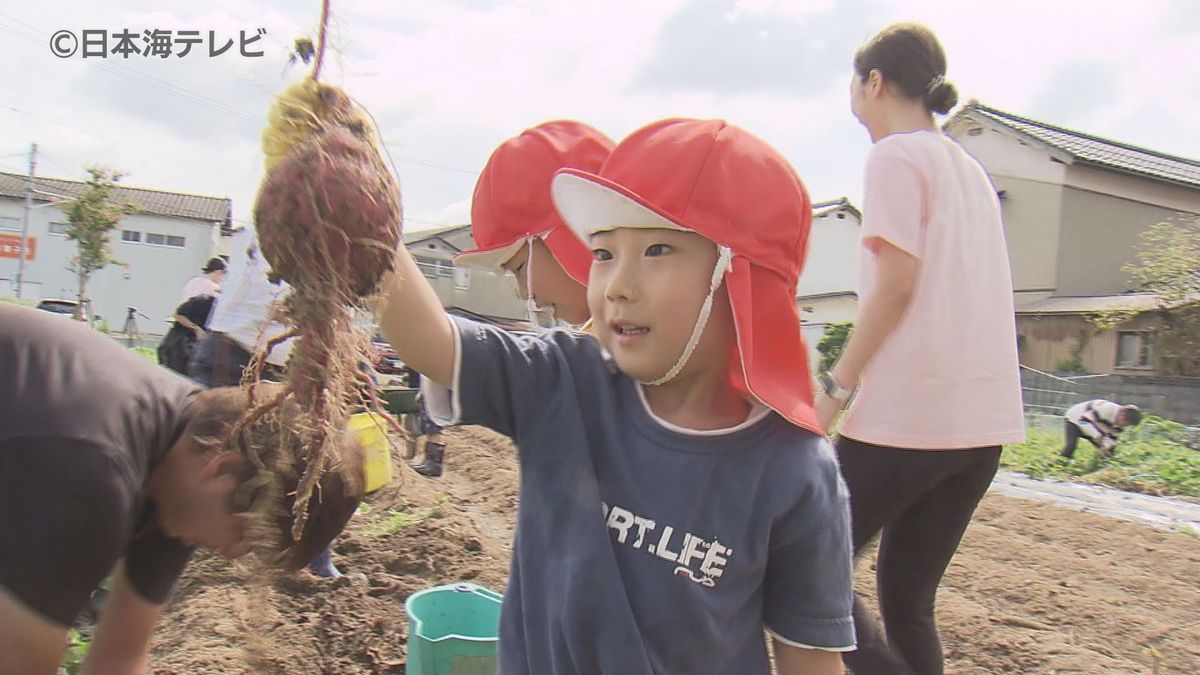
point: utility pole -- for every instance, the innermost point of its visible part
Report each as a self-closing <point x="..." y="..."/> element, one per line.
<point x="25" y="220"/>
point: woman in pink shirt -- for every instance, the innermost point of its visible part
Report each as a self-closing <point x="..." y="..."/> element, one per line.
<point x="933" y="355"/>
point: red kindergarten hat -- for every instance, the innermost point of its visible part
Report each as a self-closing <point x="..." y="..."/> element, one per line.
<point x="512" y="198"/>
<point x="728" y="185"/>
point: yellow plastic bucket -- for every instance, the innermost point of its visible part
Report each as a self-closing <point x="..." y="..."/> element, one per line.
<point x="370" y="428"/>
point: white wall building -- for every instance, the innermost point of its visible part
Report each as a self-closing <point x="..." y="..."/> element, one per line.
<point x="826" y="292"/>
<point x="160" y="247"/>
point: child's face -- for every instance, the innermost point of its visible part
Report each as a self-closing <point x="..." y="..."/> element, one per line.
<point x="552" y="286"/>
<point x="645" y="292"/>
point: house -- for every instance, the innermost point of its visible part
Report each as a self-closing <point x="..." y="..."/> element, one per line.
<point x="160" y="247"/>
<point x="478" y="291"/>
<point x="1074" y="206"/>
<point x="826" y="293"/>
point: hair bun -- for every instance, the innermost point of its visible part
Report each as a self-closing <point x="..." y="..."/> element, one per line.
<point x="941" y="96"/>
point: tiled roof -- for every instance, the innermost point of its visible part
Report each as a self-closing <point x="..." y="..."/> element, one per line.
<point x="1093" y="149"/>
<point x="159" y="202"/>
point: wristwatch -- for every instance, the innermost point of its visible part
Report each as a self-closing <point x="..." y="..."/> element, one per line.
<point x="834" y="389"/>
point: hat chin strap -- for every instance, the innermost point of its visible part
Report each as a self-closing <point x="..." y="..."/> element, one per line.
<point x="531" y="307"/>
<point x="723" y="261"/>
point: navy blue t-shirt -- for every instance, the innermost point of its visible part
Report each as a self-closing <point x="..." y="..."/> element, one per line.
<point x="642" y="547"/>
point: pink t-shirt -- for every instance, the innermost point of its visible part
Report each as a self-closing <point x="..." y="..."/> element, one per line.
<point x="947" y="376"/>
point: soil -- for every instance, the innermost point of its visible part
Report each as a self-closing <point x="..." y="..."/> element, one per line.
<point x="1035" y="588"/>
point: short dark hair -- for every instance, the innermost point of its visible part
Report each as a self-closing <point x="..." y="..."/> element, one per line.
<point x="1133" y="414"/>
<point x="911" y="59"/>
<point x="214" y="264"/>
<point x="275" y="454"/>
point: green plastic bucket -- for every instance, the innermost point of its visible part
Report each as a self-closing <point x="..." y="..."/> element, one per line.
<point x="452" y="630"/>
<point x="400" y="401"/>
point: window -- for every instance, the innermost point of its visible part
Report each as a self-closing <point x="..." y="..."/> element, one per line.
<point x="131" y="236"/>
<point x="462" y="278"/>
<point x="1135" y="349"/>
<point x="10" y="224"/>
<point x="445" y="269"/>
<point x="58" y="228"/>
<point x="177" y="242"/>
<point x="428" y="266"/>
<point x="157" y="239"/>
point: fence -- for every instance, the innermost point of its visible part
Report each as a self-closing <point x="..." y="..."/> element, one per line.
<point x="1047" y="395"/>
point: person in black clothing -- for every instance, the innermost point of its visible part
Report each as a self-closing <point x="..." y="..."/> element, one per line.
<point x="110" y="463"/>
<point x="191" y="320"/>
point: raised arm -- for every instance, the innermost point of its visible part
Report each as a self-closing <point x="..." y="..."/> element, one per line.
<point x="412" y="319"/>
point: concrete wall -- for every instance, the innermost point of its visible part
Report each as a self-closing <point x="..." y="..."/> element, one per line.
<point x="1031" y="179"/>
<point x="1070" y="226"/>
<point x="1099" y="236"/>
<point x="1031" y="211"/>
<point x="832" y="263"/>
<point x="151" y="280"/>
<point x="1134" y="188"/>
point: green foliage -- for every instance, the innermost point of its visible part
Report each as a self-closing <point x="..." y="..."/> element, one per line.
<point x="1150" y="458"/>
<point x="148" y="353"/>
<point x="1074" y="364"/>
<point x="77" y="649"/>
<point x="398" y="519"/>
<point x="1169" y="266"/>
<point x="1071" y="365"/>
<point x="831" y="344"/>
<point x="90" y="219"/>
<point x="18" y="301"/>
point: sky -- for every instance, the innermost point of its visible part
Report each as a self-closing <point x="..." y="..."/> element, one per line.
<point x="449" y="80"/>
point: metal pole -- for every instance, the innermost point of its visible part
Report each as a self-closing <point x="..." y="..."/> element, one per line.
<point x="25" y="219"/>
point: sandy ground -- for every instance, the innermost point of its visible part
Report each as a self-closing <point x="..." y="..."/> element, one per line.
<point x="1035" y="588"/>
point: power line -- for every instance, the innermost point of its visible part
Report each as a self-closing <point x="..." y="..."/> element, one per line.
<point x="42" y="118"/>
<point x="432" y="164"/>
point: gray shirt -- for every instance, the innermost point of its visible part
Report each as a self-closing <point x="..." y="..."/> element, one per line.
<point x="642" y="547"/>
<point x="83" y="423"/>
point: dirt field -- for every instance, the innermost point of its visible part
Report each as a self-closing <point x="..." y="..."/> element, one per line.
<point x="1034" y="589"/>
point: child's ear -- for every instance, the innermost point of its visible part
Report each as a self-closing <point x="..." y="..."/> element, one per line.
<point x="222" y="463"/>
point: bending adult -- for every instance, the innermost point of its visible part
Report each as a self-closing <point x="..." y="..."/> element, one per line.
<point x="933" y="353"/>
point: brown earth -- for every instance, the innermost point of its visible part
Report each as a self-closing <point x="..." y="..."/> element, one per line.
<point x="1034" y="588"/>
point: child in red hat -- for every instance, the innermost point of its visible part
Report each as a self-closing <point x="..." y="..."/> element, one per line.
<point x="677" y="499"/>
<point x="515" y="226"/>
<point x="517" y="230"/>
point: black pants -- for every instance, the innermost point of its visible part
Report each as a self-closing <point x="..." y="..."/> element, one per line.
<point x="1071" y="435"/>
<point x="218" y="361"/>
<point x="921" y="501"/>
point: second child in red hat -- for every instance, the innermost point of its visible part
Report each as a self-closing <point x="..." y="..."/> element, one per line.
<point x="677" y="500"/>
<point x="514" y="223"/>
<point x="517" y="231"/>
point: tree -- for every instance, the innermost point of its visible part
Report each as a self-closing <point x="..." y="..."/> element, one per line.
<point x="1168" y="265"/>
<point x="90" y="218"/>
<point x="831" y="343"/>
